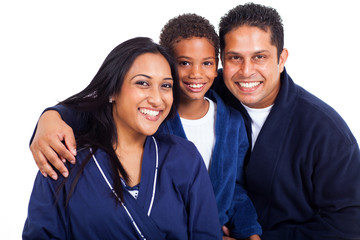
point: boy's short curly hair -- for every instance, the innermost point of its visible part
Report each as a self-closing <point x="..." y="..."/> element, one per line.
<point x="187" y="26"/>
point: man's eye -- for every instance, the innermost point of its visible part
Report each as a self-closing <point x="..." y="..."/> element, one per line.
<point x="234" y="58"/>
<point x="259" y="57"/>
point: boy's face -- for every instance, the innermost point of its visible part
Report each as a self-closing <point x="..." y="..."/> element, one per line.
<point x="197" y="66"/>
<point x="251" y="68"/>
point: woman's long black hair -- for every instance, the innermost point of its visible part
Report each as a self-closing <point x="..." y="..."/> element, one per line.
<point x="94" y="102"/>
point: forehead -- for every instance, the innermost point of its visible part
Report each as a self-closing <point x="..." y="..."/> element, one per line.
<point x="151" y="64"/>
<point x="194" y="45"/>
<point x="248" y="38"/>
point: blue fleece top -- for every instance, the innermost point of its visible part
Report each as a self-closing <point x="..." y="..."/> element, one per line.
<point x="303" y="173"/>
<point x="226" y="171"/>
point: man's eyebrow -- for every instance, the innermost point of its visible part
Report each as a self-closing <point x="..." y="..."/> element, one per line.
<point x="256" y="52"/>
<point x="261" y="51"/>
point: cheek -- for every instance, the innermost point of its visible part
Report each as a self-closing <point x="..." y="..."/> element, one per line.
<point x="168" y="99"/>
<point x="228" y="72"/>
<point x="182" y="72"/>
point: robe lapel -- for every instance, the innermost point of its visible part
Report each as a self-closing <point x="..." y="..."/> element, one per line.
<point x="147" y="227"/>
<point x="264" y="159"/>
<point x="147" y="174"/>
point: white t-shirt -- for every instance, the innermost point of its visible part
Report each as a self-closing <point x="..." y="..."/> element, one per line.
<point x="202" y="132"/>
<point x="258" y="117"/>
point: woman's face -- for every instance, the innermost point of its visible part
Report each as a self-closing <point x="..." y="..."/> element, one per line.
<point x="197" y="66"/>
<point x="145" y="98"/>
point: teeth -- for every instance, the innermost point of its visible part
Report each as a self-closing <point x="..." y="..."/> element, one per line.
<point x="196" y="85"/>
<point x="149" y="112"/>
<point x="249" y="84"/>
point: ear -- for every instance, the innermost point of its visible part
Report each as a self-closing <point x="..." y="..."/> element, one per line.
<point x="111" y="99"/>
<point x="283" y="57"/>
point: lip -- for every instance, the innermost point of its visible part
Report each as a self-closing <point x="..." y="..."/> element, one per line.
<point x="249" y="86"/>
<point x="149" y="113"/>
<point x="193" y="89"/>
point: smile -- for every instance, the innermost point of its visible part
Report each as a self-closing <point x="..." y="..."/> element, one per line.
<point x="195" y="87"/>
<point x="199" y="85"/>
<point x="249" y="84"/>
<point x="149" y="112"/>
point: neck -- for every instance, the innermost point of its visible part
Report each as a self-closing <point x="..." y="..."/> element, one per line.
<point x="129" y="151"/>
<point x="193" y="109"/>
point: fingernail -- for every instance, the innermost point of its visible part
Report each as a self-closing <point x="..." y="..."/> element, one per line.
<point x="72" y="162"/>
<point x="73" y="151"/>
<point x="54" y="177"/>
<point x="65" y="174"/>
<point x="44" y="174"/>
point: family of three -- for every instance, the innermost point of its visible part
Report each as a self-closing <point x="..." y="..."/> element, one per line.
<point x="163" y="145"/>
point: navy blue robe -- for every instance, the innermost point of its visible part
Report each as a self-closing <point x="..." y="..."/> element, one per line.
<point x="184" y="205"/>
<point x="303" y="173"/>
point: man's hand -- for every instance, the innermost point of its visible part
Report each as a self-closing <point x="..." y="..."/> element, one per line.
<point x="54" y="143"/>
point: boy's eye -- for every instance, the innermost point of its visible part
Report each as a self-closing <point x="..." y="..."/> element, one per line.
<point x="184" y="63"/>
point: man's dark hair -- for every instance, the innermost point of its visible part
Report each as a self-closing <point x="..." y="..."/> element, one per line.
<point x="187" y="26"/>
<point x="254" y="15"/>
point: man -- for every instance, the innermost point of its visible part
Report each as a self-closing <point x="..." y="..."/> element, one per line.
<point x="302" y="169"/>
<point x="302" y="172"/>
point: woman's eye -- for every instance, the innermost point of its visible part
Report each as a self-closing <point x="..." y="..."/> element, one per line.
<point x="167" y="85"/>
<point x="208" y="63"/>
<point x="142" y="83"/>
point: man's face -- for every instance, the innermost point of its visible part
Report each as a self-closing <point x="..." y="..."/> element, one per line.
<point x="251" y="68"/>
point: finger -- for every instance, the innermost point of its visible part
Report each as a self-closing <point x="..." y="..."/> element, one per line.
<point x="50" y="156"/>
<point x="70" y="142"/>
<point x="228" y="238"/>
<point x="44" y="167"/>
<point x="62" y="159"/>
<point x="61" y="150"/>
<point x="226" y="230"/>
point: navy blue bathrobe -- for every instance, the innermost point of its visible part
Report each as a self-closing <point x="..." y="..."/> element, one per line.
<point x="303" y="174"/>
<point x="175" y="200"/>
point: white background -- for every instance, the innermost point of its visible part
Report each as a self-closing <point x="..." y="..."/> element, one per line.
<point x="50" y="50"/>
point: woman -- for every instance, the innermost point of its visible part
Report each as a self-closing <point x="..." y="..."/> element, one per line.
<point x="127" y="184"/>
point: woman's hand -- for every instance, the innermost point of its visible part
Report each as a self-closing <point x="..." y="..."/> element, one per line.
<point x="227" y="234"/>
<point x="54" y="143"/>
